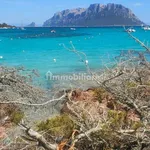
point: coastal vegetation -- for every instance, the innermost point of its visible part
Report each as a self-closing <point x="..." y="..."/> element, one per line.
<point x="112" y="115"/>
<point x="3" y="25"/>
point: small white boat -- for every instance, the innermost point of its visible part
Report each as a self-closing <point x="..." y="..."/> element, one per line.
<point x="53" y="31"/>
<point x="130" y="30"/>
<point x="73" y="29"/>
<point x="146" y="28"/>
<point x="22" y="28"/>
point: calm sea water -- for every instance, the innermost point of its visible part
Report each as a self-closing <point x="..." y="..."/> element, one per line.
<point x="36" y="48"/>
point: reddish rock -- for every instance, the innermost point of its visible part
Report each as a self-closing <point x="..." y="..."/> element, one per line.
<point x="131" y="115"/>
<point x="2" y="132"/>
<point x="87" y="103"/>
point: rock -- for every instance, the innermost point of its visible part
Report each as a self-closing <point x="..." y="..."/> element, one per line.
<point x="32" y="24"/>
<point x="2" y="132"/>
<point x="89" y="102"/>
<point x="94" y="15"/>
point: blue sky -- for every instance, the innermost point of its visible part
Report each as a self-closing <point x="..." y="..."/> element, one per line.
<point x="25" y="11"/>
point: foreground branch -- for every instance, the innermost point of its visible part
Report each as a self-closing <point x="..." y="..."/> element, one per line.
<point x="138" y="41"/>
<point x="27" y="104"/>
<point x="39" y="138"/>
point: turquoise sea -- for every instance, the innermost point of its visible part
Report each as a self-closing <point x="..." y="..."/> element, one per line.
<point x="36" y="48"/>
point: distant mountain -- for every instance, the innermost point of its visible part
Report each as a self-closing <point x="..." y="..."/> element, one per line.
<point x="94" y="15"/>
<point x="3" y="25"/>
<point x="32" y="24"/>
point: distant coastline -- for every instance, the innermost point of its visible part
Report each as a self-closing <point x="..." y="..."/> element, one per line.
<point x="10" y="27"/>
<point x="89" y="26"/>
<point x="4" y="25"/>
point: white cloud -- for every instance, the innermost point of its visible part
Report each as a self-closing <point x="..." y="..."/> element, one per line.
<point x="138" y="4"/>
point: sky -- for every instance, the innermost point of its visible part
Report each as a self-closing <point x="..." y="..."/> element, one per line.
<point x="23" y="12"/>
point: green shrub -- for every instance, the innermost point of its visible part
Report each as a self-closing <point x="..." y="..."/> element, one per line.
<point x="60" y="125"/>
<point x="16" y="116"/>
<point x="136" y="125"/>
<point x="99" y="94"/>
<point x="119" y="119"/>
<point x="131" y="84"/>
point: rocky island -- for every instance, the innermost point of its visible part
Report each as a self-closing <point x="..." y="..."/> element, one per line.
<point x="94" y="15"/>
<point x="32" y="24"/>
